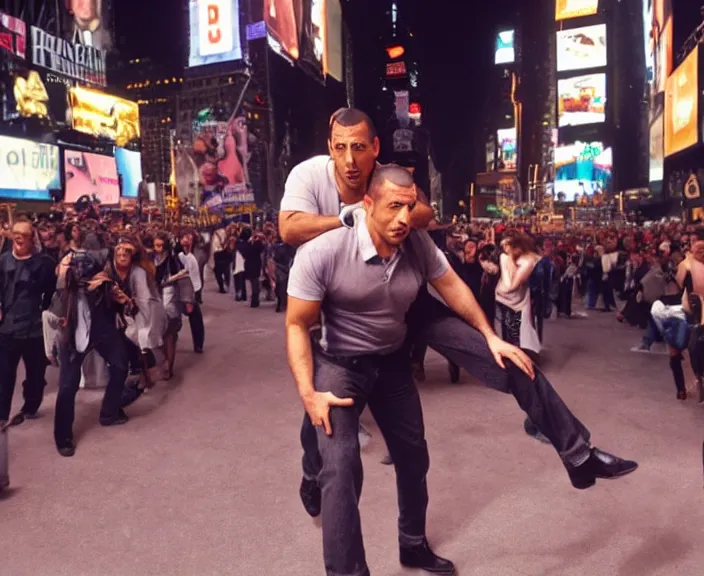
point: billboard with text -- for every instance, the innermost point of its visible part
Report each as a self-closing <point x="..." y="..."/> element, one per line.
<point x="28" y="170"/>
<point x="214" y="32"/>
<point x="104" y="116"/>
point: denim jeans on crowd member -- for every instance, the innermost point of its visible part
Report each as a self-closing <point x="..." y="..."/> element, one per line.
<point x="195" y="321"/>
<point x="457" y="341"/>
<point x="385" y="384"/>
<point x="31" y="352"/>
<point x="110" y="344"/>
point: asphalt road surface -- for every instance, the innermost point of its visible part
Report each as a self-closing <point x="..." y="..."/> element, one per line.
<point x="204" y="478"/>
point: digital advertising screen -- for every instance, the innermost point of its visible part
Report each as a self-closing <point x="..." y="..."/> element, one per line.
<point x="88" y="24"/>
<point x="657" y="149"/>
<point x="334" y="66"/>
<point x="582" y="100"/>
<point x="129" y="166"/>
<point x="581" y="48"/>
<point x="104" y="116"/>
<point x="283" y="21"/>
<point x="313" y="34"/>
<point x="505" y="52"/>
<point x="682" y="105"/>
<point x="214" y="32"/>
<point x="506" y="139"/>
<point x="28" y="170"/>
<point x="582" y="168"/>
<point x="91" y="174"/>
<point x="566" y="9"/>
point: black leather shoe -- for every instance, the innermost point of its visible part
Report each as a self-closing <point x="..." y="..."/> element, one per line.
<point x="600" y="465"/>
<point x="423" y="557"/>
<point x="67" y="448"/>
<point x="121" y="418"/>
<point x="311" y="496"/>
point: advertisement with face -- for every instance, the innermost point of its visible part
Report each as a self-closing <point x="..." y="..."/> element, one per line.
<point x="582" y="100"/>
<point x="582" y="168"/>
<point x="87" y="24"/>
<point x="505" y="52"/>
<point x="565" y="9"/>
<point x="282" y="24"/>
<point x="104" y="116"/>
<point x="91" y="174"/>
<point x="129" y="168"/>
<point x="581" y="48"/>
<point x="28" y="170"/>
<point x="506" y="139"/>
<point x="682" y="106"/>
<point x="219" y="155"/>
<point x="214" y="32"/>
<point x="313" y="29"/>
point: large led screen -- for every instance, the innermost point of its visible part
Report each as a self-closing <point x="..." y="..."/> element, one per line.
<point x="88" y="23"/>
<point x="313" y="31"/>
<point x="214" y="32"/>
<point x="582" y="168"/>
<point x="333" y="39"/>
<point x="129" y="167"/>
<point x="682" y="106"/>
<point x="582" y="100"/>
<point x="505" y="52"/>
<point x="581" y="48"/>
<point x="28" y="170"/>
<point x="657" y="149"/>
<point x="282" y="24"/>
<point x="565" y="9"/>
<point x="104" y="116"/>
<point x="91" y="174"/>
<point x="506" y="139"/>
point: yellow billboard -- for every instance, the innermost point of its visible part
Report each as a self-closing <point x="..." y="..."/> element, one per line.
<point x="566" y="9"/>
<point x="104" y="116"/>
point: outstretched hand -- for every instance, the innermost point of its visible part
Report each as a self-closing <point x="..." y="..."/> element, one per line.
<point x="502" y="350"/>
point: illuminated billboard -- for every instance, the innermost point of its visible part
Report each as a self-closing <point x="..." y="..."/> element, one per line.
<point x="13" y="35"/>
<point x="506" y="140"/>
<point x="682" y="105"/>
<point x="333" y="39"/>
<point x="505" y="52"/>
<point x="91" y="174"/>
<point x="88" y="24"/>
<point x="582" y="100"/>
<point x="582" y="168"/>
<point x="129" y="167"/>
<point x="104" y="116"/>
<point x="581" y="48"/>
<point x="75" y="61"/>
<point x="657" y="149"/>
<point x="282" y="26"/>
<point x="214" y="32"/>
<point x="566" y="9"/>
<point x="28" y="170"/>
<point x="313" y="33"/>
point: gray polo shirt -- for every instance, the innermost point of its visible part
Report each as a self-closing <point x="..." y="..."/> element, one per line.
<point x="364" y="297"/>
<point x="311" y="188"/>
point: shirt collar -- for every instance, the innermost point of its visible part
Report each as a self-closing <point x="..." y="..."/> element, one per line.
<point x="364" y="239"/>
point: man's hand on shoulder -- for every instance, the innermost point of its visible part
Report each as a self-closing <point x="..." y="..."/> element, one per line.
<point x="347" y="212"/>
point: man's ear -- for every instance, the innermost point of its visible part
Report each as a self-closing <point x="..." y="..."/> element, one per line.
<point x="368" y="201"/>
<point x="376" y="146"/>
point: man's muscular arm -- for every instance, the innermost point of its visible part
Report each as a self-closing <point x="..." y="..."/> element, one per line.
<point x="422" y="214"/>
<point x="297" y="228"/>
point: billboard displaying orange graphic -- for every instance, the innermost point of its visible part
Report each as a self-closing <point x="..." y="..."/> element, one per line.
<point x="566" y="9"/>
<point x="682" y="106"/>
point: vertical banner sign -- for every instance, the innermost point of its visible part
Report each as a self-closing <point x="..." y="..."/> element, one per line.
<point x="402" y="103"/>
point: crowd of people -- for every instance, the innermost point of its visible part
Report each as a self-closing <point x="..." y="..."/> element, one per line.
<point x="102" y="295"/>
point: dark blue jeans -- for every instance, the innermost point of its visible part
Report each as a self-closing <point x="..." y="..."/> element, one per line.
<point x="110" y="344"/>
<point x="385" y="384"/>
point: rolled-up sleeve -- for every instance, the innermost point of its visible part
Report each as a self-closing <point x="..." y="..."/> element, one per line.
<point x="299" y="192"/>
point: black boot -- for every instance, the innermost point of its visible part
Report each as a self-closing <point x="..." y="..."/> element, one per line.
<point x="600" y="465"/>
<point x="421" y="556"/>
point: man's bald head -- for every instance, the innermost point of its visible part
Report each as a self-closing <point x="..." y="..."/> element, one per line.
<point x="393" y="174"/>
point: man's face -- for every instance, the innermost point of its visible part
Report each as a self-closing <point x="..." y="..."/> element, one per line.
<point x="48" y="238"/>
<point x="390" y="213"/>
<point x="22" y="238"/>
<point x="83" y="10"/>
<point x="354" y="154"/>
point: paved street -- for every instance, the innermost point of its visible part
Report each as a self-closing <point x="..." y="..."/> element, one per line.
<point x="204" y="479"/>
